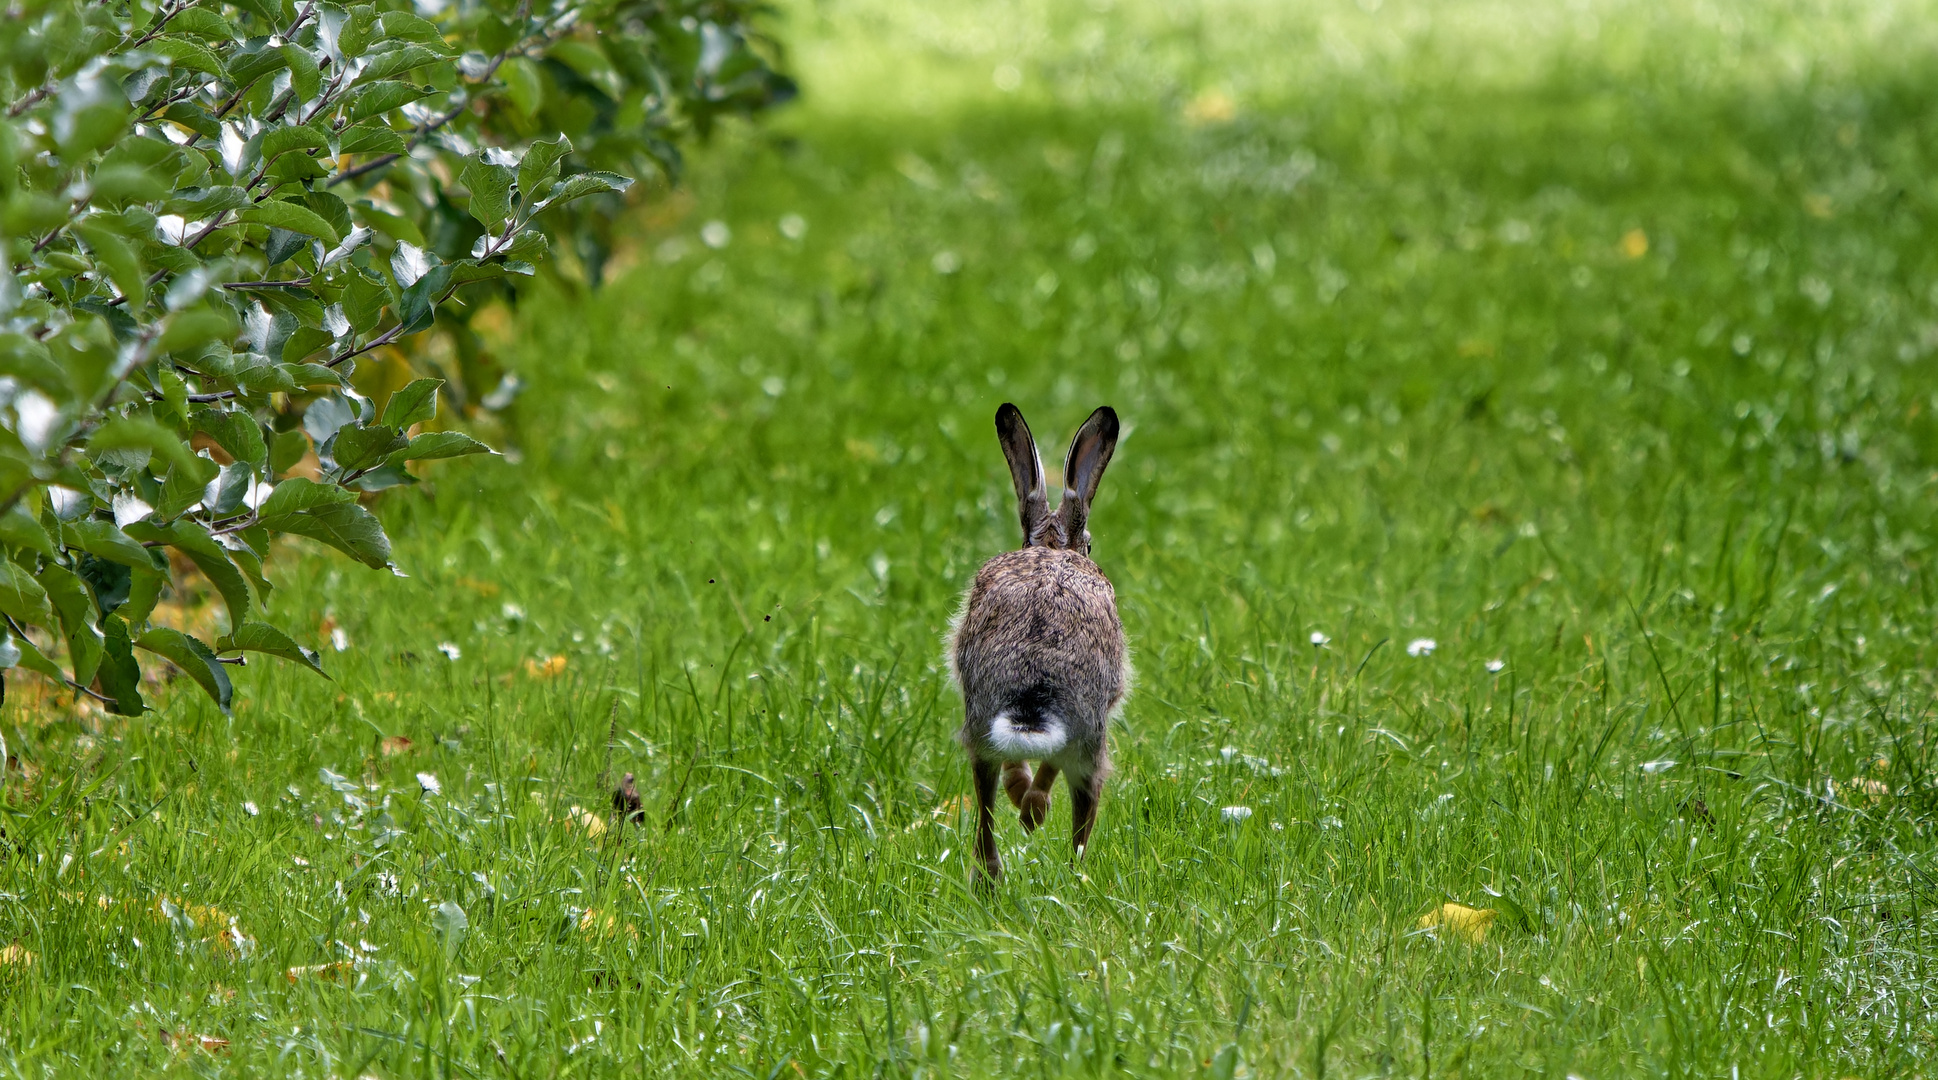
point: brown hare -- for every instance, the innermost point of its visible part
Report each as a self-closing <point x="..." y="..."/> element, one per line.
<point x="1038" y="650"/>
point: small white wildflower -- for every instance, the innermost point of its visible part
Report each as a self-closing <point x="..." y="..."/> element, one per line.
<point x="1421" y="646"/>
<point x="451" y="652"/>
<point x="339" y="640"/>
<point x="793" y="226"/>
<point x="1660" y="765"/>
<point x="299" y="860"/>
<point x="716" y="234"/>
<point x="429" y="784"/>
<point x="1235" y="813"/>
<point x="1495" y="665"/>
<point x="1319" y="640"/>
<point x="251" y="809"/>
<point x="513" y="612"/>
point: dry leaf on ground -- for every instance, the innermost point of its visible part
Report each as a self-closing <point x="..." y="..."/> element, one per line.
<point x="1469" y="924"/>
<point x="336" y="971"/>
<point x="550" y="667"/>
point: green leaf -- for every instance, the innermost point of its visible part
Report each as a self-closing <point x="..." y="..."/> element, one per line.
<point x="246" y="67"/>
<point x="495" y="35"/>
<point x="528" y="245"/>
<point x="403" y="25"/>
<point x="288" y="449"/>
<point x="236" y="432"/>
<point x="188" y="55"/>
<point x="370" y="137"/>
<point x="363" y="300"/>
<point x="331" y="209"/>
<point x="200" y="203"/>
<point x="465" y="271"/>
<point x="579" y="185"/>
<point x="524" y="86"/>
<point x="304" y="76"/>
<point x="184" y="488"/>
<point x="379" y="98"/>
<point x="210" y="557"/>
<point x="296" y="495"/>
<point x="202" y="22"/>
<point x="75" y="606"/>
<point x="291" y="137"/>
<point x="227" y="492"/>
<point x="414" y="404"/>
<point x="345" y="526"/>
<point x="109" y="581"/>
<point x="194" y="658"/>
<point x="359" y="30"/>
<point x="394" y="62"/>
<point x="115" y="253"/>
<point x="540" y="166"/>
<point x="251" y="567"/>
<point x="283" y="245"/>
<point x="101" y="539"/>
<point x="315" y="376"/>
<point x="120" y="676"/>
<point x="291" y="216"/>
<point x="195" y="118"/>
<point x="395" y="226"/>
<point x="29" y="361"/>
<point x="18" y="529"/>
<point x="21" y="596"/>
<point x="131" y="433"/>
<point x="440" y="444"/>
<point x="190" y="329"/>
<point x="119" y="185"/>
<point x="490" y="187"/>
<point x="360" y="447"/>
<point x="387" y="475"/>
<point x="416" y="307"/>
<point x="305" y="342"/>
<point x="144" y="591"/>
<point x="263" y="638"/>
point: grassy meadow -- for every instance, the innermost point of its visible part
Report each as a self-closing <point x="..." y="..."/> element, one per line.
<point x="1596" y="344"/>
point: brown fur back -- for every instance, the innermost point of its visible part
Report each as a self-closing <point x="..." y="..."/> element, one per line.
<point x="1040" y="626"/>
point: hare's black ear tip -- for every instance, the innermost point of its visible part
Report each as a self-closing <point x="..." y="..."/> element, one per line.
<point x="1006" y="410"/>
<point x="1107" y="419"/>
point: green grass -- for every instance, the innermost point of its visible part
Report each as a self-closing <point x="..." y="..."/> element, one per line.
<point x="1388" y="372"/>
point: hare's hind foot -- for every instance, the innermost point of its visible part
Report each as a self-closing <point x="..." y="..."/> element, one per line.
<point x="1016" y="781"/>
<point x="1035" y="803"/>
<point x="1035" y="807"/>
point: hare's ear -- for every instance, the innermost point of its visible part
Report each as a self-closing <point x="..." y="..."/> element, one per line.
<point x="1083" y="470"/>
<point x="1025" y="468"/>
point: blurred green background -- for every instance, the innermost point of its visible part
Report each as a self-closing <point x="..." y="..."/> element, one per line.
<point x="1590" y="341"/>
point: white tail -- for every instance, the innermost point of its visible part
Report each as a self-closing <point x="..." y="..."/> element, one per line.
<point x="1014" y="742"/>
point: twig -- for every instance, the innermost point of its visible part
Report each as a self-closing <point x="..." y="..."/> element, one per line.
<point x="294" y="283"/>
<point x="160" y="25"/>
<point x="71" y="684"/>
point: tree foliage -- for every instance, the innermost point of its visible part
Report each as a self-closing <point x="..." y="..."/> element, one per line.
<point x="211" y="211"/>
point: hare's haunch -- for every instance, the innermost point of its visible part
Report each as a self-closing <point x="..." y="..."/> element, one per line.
<point x="1038" y="650"/>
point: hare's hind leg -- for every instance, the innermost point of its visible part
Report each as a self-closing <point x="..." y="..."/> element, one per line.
<point x="1035" y="803"/>
<point x="986" y="854"/>
<point x="1085" y="792"/>
<point x="1016" y="781"/>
